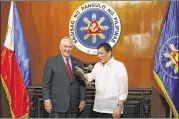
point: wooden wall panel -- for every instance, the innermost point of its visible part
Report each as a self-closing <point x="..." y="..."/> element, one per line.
<point x="4" y="108"/>
<point x="45" y="23"/>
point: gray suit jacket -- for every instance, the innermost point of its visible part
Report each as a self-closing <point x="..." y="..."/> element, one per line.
<point x="57" y="86"/>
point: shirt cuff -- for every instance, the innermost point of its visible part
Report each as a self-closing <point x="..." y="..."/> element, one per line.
<point x="89" y="79"/>
<point x="122" y="97"/>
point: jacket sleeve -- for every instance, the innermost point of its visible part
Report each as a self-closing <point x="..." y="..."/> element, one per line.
<point x="46" y="82"/>
<point x="82" y="87"/>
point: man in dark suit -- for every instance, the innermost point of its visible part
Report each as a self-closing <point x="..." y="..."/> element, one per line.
<point x="63" y="89"/>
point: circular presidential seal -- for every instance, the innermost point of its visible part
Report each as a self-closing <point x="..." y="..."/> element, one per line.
<point x="94" y="23"/>
<point x="168" y="57"/>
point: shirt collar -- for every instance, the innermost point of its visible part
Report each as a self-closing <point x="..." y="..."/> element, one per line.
<point x="109" y="62"/>
<point x="64" y="58"/>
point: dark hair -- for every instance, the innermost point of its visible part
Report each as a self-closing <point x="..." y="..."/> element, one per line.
<point x="106" y="47"/>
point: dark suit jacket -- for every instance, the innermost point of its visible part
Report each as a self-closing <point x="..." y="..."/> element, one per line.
<point x="57" y="86"/>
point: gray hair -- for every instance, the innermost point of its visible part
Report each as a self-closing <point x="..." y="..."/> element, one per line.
<point x="65" y="38"/>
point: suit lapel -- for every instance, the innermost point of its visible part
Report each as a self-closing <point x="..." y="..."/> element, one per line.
<point x="73" y="66"/>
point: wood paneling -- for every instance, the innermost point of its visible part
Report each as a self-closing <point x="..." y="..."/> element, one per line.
<point x="45" y="23"/>
<point x="141" y="103"/>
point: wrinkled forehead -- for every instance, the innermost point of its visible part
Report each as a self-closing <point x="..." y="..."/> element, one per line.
<point x="67" y="42"/>
<point x="101" y="50"/>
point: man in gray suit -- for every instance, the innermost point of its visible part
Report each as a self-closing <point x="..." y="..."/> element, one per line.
<point x="63" y="89"/>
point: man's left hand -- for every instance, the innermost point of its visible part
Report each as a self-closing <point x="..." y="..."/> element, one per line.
<point x="117" y="112"/>
<point x="82" y="105"/>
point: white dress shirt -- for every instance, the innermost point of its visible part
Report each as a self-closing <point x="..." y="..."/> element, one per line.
<point x="111" y="83"/>
<point x="69" y="59"/>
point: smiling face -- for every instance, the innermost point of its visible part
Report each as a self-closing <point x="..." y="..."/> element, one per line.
<point x="66" y="47"/>
<point x="103" y="55"/>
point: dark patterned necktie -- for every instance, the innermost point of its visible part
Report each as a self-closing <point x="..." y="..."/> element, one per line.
<point x="68" y="68"/>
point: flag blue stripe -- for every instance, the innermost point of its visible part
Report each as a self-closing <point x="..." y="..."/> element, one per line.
<point x="169" y="35"/>
<point x="20" y="48"/>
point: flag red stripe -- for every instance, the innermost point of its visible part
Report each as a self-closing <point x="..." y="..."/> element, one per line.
<point x="12" y="77"/>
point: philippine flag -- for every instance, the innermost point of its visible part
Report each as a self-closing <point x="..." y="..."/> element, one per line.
<point x="15" y="66"/>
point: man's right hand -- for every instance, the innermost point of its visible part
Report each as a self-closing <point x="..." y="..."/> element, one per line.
<point x="48" y="106"/>
<point x="79" y="70"/>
